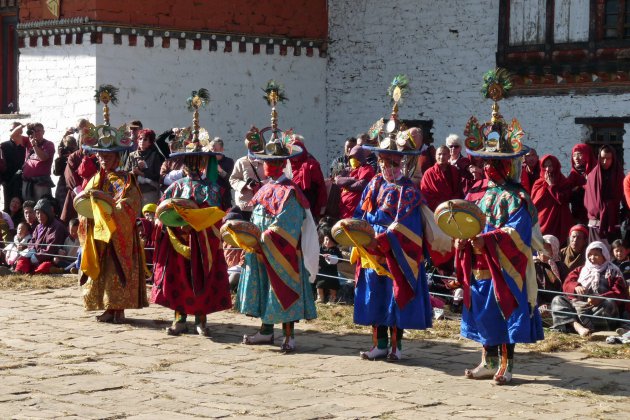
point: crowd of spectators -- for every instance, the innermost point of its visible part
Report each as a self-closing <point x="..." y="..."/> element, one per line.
<point x="583" y="215"/>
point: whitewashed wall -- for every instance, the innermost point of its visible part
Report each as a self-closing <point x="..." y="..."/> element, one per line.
<point x="57" y="86"/>
<point x="444" y="50"/>
<point x="155" y="82"/>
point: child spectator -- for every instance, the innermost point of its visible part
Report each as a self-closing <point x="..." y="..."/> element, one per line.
<point x="329" y="255"/>
<point x="70" y="245"/>
<point x="148" y="211"/>
<point x="19" y="245"/>
<point x="234" y="257"/>
<point x="622" y="259"/>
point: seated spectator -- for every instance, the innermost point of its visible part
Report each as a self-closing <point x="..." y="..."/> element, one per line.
<point x="573" y="254"/>
<point x="622" y="259"/>
<point x="598" y="278"/>
<point x="46" y="241"/>
<point x="19" y="246"/>
<point x="353" y="184"/>
<point x="148" y="211"/>
<point x="29" y="214"/>
<point x="7" y="228"/>
<point x="550" y="271"/>
<point x="15" y="211"/>
<point x="550" y="195"/>
<point x="71" y="245"/>
<point x="329" y="255"/>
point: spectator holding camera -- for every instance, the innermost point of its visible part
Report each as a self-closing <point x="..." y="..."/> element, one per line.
<point x="13" y="152"/>
<point x="248" y="175"/>
<point x="36" y="171"/>
<point x="145" y="164"/>
<point x="67" y="146"/>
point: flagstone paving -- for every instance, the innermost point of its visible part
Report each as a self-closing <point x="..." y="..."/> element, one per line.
<point x="57" y="362"/>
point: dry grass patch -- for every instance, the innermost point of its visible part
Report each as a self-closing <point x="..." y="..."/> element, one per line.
<point x="37" y="281"/>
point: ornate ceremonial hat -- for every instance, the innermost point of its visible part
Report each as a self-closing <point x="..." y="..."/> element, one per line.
<point x="193" y="140"/>
<point x="279" y="145"/>
<point x="391" y="136"/>
<point x="495" y="139"/>
<point x="105" y="138"/>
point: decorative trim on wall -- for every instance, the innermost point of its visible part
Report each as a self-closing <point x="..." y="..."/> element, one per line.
<point x="73" y="30"/>
<point x="584" y="83"/>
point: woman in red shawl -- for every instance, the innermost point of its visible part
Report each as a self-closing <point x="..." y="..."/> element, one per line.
<point x="307" y="174"/>
<point x="582" y="162"/>
<point x="603" y="193"/>
<point x="550" y="194"/>
<point x="352" y="186"/>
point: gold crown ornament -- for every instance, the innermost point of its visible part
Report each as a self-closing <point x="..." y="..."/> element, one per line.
<point x="496" y="138"/>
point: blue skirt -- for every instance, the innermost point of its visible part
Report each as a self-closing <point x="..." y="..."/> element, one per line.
<point x="374" y="303"/>
<point x="484" y="323"/>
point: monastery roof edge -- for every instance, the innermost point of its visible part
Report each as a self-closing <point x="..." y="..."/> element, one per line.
<point x="84" y="25"/>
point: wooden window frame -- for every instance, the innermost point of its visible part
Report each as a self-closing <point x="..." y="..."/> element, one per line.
<point x="597" y="65"/>
<point x="8" y="60"/>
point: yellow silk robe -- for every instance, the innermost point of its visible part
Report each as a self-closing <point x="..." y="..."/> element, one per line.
<point x="113" y="273"/>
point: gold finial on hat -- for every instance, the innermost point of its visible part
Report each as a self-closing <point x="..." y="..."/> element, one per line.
<point x="106" y="94"/>
<point x="197" y="99"/>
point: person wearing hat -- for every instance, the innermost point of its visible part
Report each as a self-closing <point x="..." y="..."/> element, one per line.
<point x="48" y="239"/>
<point x="148" y="211"/>
<point x="573" y="254"/>
<point x="397" y="297"/>
<point x="275" y="281"/>
<point x="189" y="269"/>
<point x="247" y="176"/>
<point x="113" y="265"/>
<point x="496" y="267"/>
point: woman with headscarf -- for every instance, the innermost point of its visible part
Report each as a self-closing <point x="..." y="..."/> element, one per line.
<point x="550" y="194"/>
<point x="353" y="185"/>
<point x="598" y="279"/>
<point x="550" y="271"/>
<point x="582" y="163"/>
<point x="307" y="174"/>
<point x="603" y="193"/>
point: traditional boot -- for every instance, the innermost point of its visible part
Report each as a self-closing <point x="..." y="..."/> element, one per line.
<point x="179" y="325"/>
<point x="485" y="369"/>
<point x="201" y="325"/>
<point x="395" y="354"/>
<point x="379" y="346"/>
<point x="262" y="336"/>
<point x="288" y="345"/>
<point x="504" y="372"/>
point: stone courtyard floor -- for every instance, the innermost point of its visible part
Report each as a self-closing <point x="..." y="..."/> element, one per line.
<point x="57" y="362"/>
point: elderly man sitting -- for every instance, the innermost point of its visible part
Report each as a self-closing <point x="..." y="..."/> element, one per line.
<point x="47" y="237"/>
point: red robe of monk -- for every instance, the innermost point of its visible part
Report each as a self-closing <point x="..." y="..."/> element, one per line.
<point x="441" y="183"/>
<point x="307" y="174"/>
<point x="552" y="201"/>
